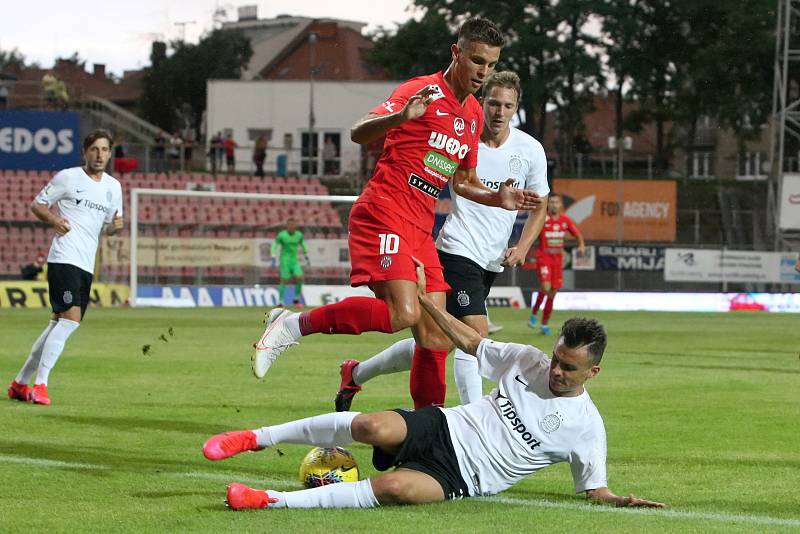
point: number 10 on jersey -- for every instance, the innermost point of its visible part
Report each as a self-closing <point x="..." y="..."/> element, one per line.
<point x="390" y="243"/>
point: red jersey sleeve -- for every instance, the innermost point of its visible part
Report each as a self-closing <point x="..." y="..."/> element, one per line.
<point x="571" y="227"/>
<point x="399" y="97"/>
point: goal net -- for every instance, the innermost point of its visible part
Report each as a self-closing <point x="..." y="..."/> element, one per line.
<point x="214" y="248"/>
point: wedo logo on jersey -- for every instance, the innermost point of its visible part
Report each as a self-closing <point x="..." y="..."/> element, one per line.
<point x="44" y="141"/>
<point x="450" y="145"/>
<point x="436" y="161"/>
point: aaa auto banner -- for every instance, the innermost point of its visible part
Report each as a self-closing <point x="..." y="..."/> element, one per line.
<point x="626" y="210"/>
<point x="35" y="295"/>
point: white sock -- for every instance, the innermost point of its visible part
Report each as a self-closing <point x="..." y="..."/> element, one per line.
<point x="342" y="495"/>
<point x="327" y="430"/>
<point x="392" y="360"/>
<point x="30" y="365"/>
<point x="53" y="346"/>
<point x="292" y="322"/>
<point x="468" y="380"/>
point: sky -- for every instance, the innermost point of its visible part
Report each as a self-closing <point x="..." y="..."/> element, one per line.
<point x="118" y="33"/>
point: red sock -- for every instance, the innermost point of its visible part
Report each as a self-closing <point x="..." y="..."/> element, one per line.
<point x="352" y="315"/>
<point x="548" y="309"/>
<point x="428" y="385"/>
<point x="539" y="298"/>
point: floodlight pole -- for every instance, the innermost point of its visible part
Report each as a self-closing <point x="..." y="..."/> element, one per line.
<point x="312" y="40"/>
<point x="785" y="118"/>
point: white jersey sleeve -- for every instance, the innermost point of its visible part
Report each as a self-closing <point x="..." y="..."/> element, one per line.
<point x="536" y="178"/>
<point x="56" y="189"/>
<point x="116" y="203"/>
<point x="495" y="358"/>
<point x="587" y="461"/>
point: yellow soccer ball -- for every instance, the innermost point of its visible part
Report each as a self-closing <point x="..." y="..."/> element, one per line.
<point x="328" y="465"/>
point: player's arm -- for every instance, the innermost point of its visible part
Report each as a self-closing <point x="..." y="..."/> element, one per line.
<point x="606" y="496"/>
<point x="374" y="125"/>
<point x="533" y="226"/>
<point x="304" y="248"/>
<point x="462" y="336"/>
<point x="276" y="244"/>
<point x="578" y="236"/>
<point x="467" y="184"/>
<point x="115" y="225"/>
<point x="43" y="213"/>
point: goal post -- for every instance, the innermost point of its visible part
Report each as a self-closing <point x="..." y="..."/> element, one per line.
<point x="191" y="238"/>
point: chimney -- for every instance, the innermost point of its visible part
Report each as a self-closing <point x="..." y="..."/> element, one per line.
<point x="248" y="12"/>
<point x="99" y="70"/>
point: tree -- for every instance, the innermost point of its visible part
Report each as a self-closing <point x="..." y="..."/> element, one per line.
<point x="174" y="87"/>
<point x="540" y="44"/>
<point x="11" y="60"/>
<point x="414" y="49"/>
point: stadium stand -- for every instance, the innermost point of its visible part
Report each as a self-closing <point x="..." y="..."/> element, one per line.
<point x="22" y="236"/>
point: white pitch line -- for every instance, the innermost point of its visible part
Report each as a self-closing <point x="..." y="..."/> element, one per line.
<point x="671" y="514"/>
<point x="231" y="477"/>
<point x="221" y="476"/>
<point x="49" y="463"/>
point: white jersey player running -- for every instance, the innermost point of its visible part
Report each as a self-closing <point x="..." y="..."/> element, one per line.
<point x="88" y="200"/>
<point x="539" y="414"/>
<point x="473" y="242"/>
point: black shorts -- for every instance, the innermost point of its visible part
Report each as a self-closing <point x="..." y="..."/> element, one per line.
<point x="427" y="449"/>
<point x="470" y="282"/>
<point x="68" y="286"/>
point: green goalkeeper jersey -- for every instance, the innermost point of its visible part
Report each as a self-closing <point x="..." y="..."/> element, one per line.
<point x="288" y="243"/>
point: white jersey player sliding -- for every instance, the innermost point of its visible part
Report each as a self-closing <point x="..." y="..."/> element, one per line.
<point x="538" y="415"/>
<point x="473" y="242"/>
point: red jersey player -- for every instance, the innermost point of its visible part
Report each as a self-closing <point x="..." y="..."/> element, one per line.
<point x="432" y="126"/>
<point x="550" y="257"/>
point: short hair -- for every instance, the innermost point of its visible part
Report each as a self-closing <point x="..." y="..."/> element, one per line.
<point x="553" y="194"/>
<point x="481" y="30"/>
<point x="503" y="78"/>
<point x="580" y="332"/>
<point x="100" y="133"/>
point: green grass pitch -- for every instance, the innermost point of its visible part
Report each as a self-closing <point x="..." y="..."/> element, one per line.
<point x="701" y="411"/>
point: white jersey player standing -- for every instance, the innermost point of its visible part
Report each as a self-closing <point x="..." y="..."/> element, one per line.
<point x="538" y="415"/>
<point x="88" y="201"/>
<point x="473" y="242"/>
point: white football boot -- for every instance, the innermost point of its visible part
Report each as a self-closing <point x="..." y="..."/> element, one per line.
<point x="275" y="340"/>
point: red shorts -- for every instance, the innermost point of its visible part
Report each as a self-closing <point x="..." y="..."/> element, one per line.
<point x="382" y="244"/>
<point x="550" y="269"/>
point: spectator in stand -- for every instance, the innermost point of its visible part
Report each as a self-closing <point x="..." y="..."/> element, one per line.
<point x="330" y="154"/>
<point x="159" y="151"/>
<point x="36" y="270"/>
<point x="188" y="145"/>
<point x="215" y="150"/>
<point x="797" y="265"/>
<point x="230" y="153"/>
<point x="260" y="154"/>
<point x="174" y="152"/>
<point x="3" y="97"/>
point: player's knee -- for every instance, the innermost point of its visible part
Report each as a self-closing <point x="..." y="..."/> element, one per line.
<point x="404" y="315"/>
<point x="366" y="428"/>
<point x="391" y="488"/>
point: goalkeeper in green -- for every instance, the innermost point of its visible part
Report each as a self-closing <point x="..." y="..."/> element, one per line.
<point x="288" y="241"/>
